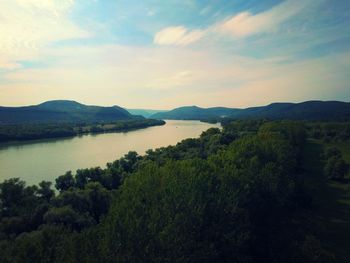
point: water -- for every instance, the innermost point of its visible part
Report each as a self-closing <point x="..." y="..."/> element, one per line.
<point x="46" y="159"/>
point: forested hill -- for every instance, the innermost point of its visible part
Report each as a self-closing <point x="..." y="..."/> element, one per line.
<point x="62" y="111"/>
<point x="308" y="110"/>
<point x="194" y="113"/>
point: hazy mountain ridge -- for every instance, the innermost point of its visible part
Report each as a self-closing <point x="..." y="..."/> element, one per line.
<point x="144" y="112"/>
<point x="62" y="111"/>
<point x="195" y="113"/>
<point x="71" y="111"/>
<point x="308" y="110"/>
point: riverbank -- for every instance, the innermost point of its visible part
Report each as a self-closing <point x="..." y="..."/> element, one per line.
<point x="34" y="161"/>
<point x="29" y="132"/>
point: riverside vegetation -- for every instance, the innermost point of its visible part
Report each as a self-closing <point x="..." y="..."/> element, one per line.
<point x="23" y="132"/>
<point x="242" y="194"/>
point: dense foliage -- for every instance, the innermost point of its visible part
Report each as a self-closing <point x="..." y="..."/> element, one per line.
<point x="232" y="195"/>
<point x="330" y="131"/>
<point x="22" y="132"/>
<point x="336" y="168"/>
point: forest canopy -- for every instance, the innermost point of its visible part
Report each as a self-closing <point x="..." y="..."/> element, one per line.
<point x="232" y="195"/>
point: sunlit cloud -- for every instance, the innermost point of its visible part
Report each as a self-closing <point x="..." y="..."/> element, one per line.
<point x="177" y="36"/>
<point x="8" y="65"/>
<point x="29" y="25"/>
<point x="240" y="25"/>
<point x="284" y="52"/>
<point x="245" y="24"/>
<point x="56" y="7"/>
<point x="176" y="77"/>
<point x="308" y="80"/>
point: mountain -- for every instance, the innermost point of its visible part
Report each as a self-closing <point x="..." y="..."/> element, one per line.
<point x="62" y="111"/>
<point x="308" y="110"/>
<point x="194" y="113"/>
<point x="144" y="112"/>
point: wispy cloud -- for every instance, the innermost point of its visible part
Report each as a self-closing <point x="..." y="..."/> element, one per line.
<point x="246" y="24"/>
<point x="28" y="25"/>
<point x="169" y="77"/>
<point x="177" y="36"/>
<point x="56" y="7"/>
<point x="294" y="50"/>
<point x="240" y="25"/>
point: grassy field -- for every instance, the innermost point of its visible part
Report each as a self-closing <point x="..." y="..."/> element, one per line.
<point x="330" y="216"/>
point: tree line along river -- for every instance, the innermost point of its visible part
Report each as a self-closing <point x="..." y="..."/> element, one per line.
<point x="35" y="161"/>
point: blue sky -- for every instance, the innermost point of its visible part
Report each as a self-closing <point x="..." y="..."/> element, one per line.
<point x="165" y="54"/>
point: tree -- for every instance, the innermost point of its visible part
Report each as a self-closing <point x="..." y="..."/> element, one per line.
<point x="228" y="196"/>
<point x="98" y="198"/>
<point x="64" y="182"/>
<point x="336" y="168"/>
<point x="129" y="161"/>
<point x="16" y="198"/>
<point x="45" y="190"/>
<point x="11" y="194"/>
<point x="84" y="176"/>
<point x="332" y="151"/>
<point x="66" y="216"/>
<point x="93" y="200"/>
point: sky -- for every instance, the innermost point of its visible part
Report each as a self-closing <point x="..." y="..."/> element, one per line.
<point x="160" y="54"/>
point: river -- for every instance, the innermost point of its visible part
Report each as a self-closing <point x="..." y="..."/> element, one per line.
<point x="39" y="160"/>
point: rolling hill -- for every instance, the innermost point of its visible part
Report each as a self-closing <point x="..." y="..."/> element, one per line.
<point x="194" y="113"/>
<point x="62" y="111"/>
<point x="144" y="112"/>
<point x="308" y="110"/>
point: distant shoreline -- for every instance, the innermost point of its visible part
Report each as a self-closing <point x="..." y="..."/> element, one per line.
<point x="10" y="134"/>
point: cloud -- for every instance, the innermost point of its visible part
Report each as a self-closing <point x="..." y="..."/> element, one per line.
<point x="240" y="25"/>
<point x="266" y="82"/>
<point x="29" y="25"/>
<point x="245" y="24"/>
<point x="223" y="70"/>
<point x="85" y="72"/>
<point x="6" y="65"/>
<point x="169" y="77"/>
<point x="56" y="7"/>
<point x="179" y="35"/>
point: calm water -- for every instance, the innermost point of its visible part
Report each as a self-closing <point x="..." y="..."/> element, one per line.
<point x="47" y="159"/>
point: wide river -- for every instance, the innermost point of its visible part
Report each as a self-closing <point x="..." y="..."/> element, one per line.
<point x="35" y="161"/>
